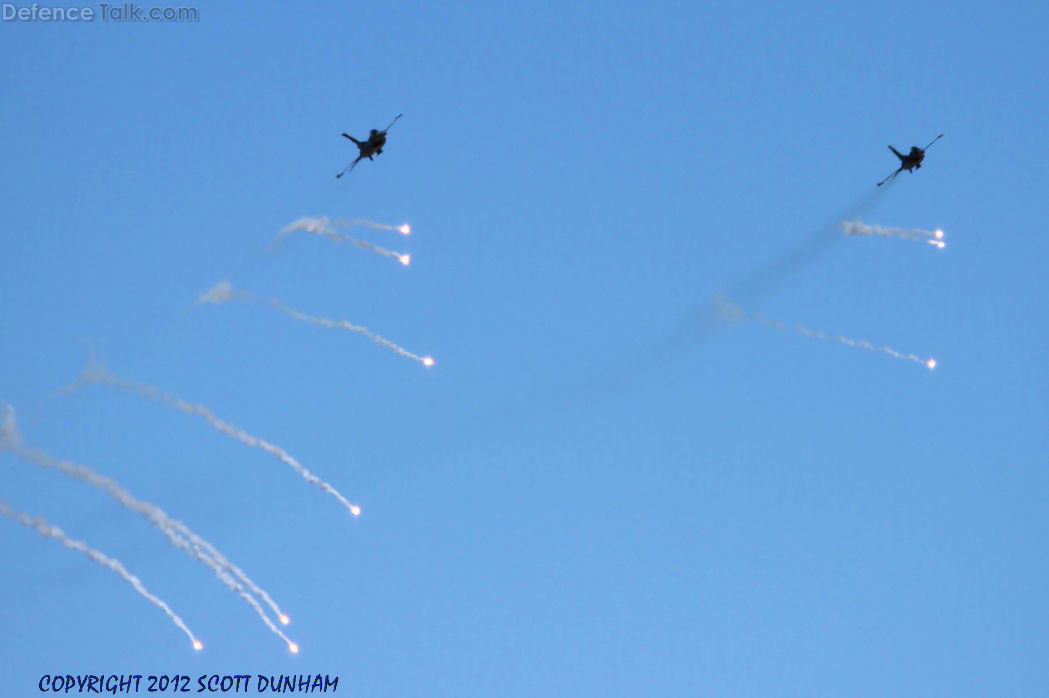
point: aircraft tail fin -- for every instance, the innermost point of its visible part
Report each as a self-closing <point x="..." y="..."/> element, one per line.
<point x="900" y="155"/>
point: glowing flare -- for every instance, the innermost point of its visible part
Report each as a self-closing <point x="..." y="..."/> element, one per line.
<point x="941" y="244"/>
<point x="284" y="619"/>
<point x="355" y="510"/>
<point x="931" y="363"/>
<point x="428" y="361"/>
<point x="938" y="233"/>
<point x="198" y="645"/>
<point x="294" y="648"/>
<point x="405" y="259"/>
<point x="405" y="229"/>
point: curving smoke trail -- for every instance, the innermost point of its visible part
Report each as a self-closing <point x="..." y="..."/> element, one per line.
<point x="180" y="535"/>
<point x="347" y="325"/>
<point x="326" y="227"/>
<point x="732" y="313"/>
<point x="98" y="374"/>
<point x="9" y="436"/>
<point x="929" y="237"/>
<point x="223" y="292"/>
<point x="319" y="225"/>
<point x="45" y="529"/>
<point x="250" y="600"/>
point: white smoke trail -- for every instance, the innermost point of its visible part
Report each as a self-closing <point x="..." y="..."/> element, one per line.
<point x="180" y="535"/>
<point x="930" y="237"/>
<point x="324" y="226"/>
<point x="48" y="531"/>
<point x="403" y="229"/>
<point x="733" y="313"/>
<point x="99" y="374"/>
<point x="861" y="344"/>
<point x="9" y="436"/>
<point x="319" y="225"/>
<point x="224" y="292"/>
<point x="346" y="325"/>
<point x="240" y="591"/>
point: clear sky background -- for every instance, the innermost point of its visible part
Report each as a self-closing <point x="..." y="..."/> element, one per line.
<point x="598" y="490"/>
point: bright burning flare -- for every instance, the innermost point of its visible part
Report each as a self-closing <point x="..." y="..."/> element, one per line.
<point x="284" y="619"/>
<point x="198" y="645"/>
<point x="293" y="647"/>
<point x="355" y="510"/>
<point x="428" y="361"/>
<point x="405" y="229"/>
<point x="938" y="233"/>
<point x="931" y="363"/>
<point x="405" y="259"/>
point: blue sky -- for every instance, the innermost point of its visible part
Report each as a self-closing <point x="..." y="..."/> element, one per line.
<point x="596" y="490"/>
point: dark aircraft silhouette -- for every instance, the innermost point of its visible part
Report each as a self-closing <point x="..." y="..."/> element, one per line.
<point x="372" y="146"/>
<point x="911" y="160"/>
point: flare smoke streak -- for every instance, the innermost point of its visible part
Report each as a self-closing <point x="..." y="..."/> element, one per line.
<point x="734" y="313"/>
<point x="99" y="374"/>
<point x="180" y="535"/>
<point x="326" y="227"/>
<point x="45" y="529"/>
<point x="347" y="325"/>
<point x="929" y="237"/>
<point x="223" y="292"/>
